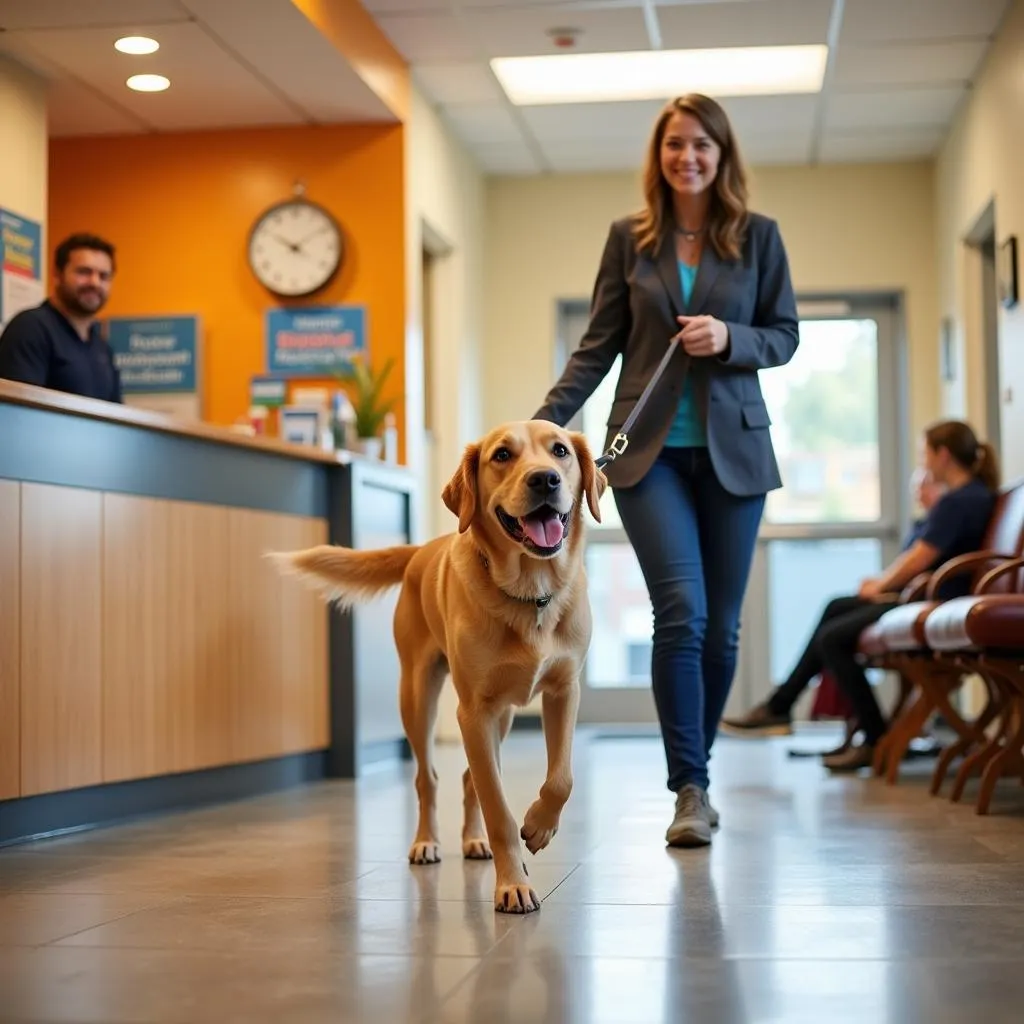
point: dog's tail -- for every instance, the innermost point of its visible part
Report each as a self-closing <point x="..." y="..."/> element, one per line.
<point x="346" y="576"/>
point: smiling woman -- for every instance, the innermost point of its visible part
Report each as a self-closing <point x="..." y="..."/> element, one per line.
<point x="695" y="265"/>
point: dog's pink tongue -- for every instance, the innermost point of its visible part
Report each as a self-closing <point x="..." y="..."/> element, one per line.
<point x="546" y="532"/>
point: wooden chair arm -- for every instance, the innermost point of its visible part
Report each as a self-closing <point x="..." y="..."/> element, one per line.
<point x="986" y="581"/>
<point x="960" y="565"/>
<point x="915" y="589"/>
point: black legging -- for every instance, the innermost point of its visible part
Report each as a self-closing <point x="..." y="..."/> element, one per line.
<point x="833" y="647"/>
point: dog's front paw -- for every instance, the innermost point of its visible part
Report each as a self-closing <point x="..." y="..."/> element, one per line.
<point x="476" y="849"/>
<point x="539" y="827"/>
<point x="425" y="853"/>
<point x="515" y="899"/>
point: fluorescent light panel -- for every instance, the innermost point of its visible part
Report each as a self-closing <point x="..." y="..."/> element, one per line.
<point x="660" y="74"/>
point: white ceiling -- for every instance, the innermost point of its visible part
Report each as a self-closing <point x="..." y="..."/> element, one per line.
<point x="232" y="63"/>
<point x="897" y="71"/>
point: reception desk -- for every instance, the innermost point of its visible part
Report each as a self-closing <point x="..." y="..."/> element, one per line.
<point x="150" y="657"/>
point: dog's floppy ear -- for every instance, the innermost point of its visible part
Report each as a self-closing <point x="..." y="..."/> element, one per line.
<point x="594" y="481"/>
<point x="459" y="493"/>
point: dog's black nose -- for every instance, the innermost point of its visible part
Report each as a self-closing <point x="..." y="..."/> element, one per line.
<point x="544" y="481"/>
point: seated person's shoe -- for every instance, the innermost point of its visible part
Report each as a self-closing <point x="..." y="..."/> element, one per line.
<point x="691" y="825"/>
<point x="759" y="721"/>
<point x="851" y="760"/>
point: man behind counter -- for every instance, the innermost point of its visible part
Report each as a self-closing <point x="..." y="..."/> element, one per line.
<point x="58" y="344"/>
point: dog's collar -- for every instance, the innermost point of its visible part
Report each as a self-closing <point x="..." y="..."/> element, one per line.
<point x="539" y="603"/>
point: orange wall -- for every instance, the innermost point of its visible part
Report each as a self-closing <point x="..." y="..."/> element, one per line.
<point x="179" y="209"/>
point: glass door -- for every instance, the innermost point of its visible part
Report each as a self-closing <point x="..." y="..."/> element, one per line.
<point x="837" y="519"/>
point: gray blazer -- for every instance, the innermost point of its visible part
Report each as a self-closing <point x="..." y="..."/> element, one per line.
<point x="633" y="312"/>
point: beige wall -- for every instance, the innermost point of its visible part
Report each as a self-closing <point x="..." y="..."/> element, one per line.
<point x="23" y="142"/>
<point x="846" y="227"/>
<point x="980" y="161"/>
<point x="445" y="203"/>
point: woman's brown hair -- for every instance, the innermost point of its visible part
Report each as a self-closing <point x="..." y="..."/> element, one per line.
<point x="727" y="214"/>
<point x="978" y="457"/>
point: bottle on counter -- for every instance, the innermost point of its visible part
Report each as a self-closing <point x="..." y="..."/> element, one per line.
<point x="343" y="421"/>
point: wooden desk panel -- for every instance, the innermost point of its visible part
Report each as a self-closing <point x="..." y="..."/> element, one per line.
<point x="278" y="640"/>
<point x="61" y="631"/>
<point x="10" y="639"/>
<point x="166" y="688"/>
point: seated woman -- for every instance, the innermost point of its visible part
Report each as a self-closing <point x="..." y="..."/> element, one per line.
<point x="966" y="472"/>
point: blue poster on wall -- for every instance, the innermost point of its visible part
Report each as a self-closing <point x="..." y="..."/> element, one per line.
<point x="155" y="354"/>
<point x="315" y="341"/>
<point x="21" y="264"/>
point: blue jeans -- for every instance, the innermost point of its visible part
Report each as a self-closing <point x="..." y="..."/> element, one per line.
<point x="695" y="544"/>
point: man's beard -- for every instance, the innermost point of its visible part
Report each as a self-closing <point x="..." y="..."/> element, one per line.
<point x="76" y="306"/>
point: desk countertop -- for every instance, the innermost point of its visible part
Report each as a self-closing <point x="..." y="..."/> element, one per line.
<point x="90" y="408"/>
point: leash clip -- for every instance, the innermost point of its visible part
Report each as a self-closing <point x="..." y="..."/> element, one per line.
<point x="618" y="446"/>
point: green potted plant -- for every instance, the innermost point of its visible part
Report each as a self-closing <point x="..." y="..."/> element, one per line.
<point x="369" y="408"/>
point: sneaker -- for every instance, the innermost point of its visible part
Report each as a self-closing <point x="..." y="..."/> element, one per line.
<point x="691" y="825"/>
<point x="759" y="721"/>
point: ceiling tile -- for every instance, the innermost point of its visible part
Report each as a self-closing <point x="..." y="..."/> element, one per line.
<point x="910" y="64"/>
<point x="752" y="23"/>
<point x="523" y="31"/>
<point x="428" y="38"/>
<point x="505" y="158"/>
<point x="888" y="21"/>
<point x="36" y="14"/>
<point x="878" y="146"/>
<point x="571" y="122"/>
<point x="902" y="107"/>
<point x="489" y="123"/>
<point x="458" y="83"/>
<point x="770" y="115"/>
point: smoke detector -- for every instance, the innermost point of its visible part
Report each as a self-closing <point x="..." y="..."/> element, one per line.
<point x="564" y="38"/>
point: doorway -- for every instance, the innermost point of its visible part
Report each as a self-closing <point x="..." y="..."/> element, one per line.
<point x="836" y="409"/>
<point x="981" y="240"/>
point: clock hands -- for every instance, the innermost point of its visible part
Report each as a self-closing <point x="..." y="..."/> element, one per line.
<point x="296" y="247"/>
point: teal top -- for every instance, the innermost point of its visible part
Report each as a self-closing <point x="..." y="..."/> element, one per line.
<point x="687" y="430"/>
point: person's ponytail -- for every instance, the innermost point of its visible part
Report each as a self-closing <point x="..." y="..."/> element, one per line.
<point x="986" y="466"/>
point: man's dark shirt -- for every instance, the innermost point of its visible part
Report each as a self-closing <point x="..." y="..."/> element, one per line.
<point x="39" y="346"/>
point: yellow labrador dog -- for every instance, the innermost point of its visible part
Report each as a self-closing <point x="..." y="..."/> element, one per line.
<point x="501" y="604"/>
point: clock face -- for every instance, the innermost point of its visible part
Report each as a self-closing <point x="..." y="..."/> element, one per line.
<point x="295" y="248"/>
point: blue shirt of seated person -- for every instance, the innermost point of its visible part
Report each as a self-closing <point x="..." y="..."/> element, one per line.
<point x="956" y="525"/>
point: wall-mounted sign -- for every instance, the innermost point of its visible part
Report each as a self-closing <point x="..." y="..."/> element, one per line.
<point x="155" y="354"/>
<point x="314" y="341"/>
<point x="21" y="264"/>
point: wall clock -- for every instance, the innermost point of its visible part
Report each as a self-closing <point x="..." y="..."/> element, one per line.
<point x="295" y="248"/>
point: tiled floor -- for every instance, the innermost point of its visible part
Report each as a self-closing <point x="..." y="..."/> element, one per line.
<point x="822" y="900"/>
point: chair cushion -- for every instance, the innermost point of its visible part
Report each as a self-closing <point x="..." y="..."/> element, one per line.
<point x="871" y="643"/>
<point x="989" y="621"/>
<point x="902" y="628"/>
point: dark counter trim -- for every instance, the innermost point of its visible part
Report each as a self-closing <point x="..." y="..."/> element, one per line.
<point x="33" y="817"/>
<point x="47" y="447"/>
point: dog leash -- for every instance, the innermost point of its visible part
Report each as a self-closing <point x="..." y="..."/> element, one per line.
<point x="621" y="440"/>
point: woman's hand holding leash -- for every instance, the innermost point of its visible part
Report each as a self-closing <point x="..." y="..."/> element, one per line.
<point x="703" y="335"/>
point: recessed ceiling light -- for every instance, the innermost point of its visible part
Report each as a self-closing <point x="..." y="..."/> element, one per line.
<point x="661" y="74"/>
<point x="137" y="45"/>
<point x="148" y="83"/>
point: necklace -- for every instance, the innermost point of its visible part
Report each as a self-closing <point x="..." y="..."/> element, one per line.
<point x="690" y="236"/>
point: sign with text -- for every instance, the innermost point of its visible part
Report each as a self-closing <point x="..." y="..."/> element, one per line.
<point x="315" y="341"/>
<point x="21" y="264"/>
<point x="155" y="354"/>
<point x="268" y="391"/>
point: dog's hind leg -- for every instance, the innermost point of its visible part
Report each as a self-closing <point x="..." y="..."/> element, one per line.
<point x="423" y="675"/>
<point x="474" y="837"/>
